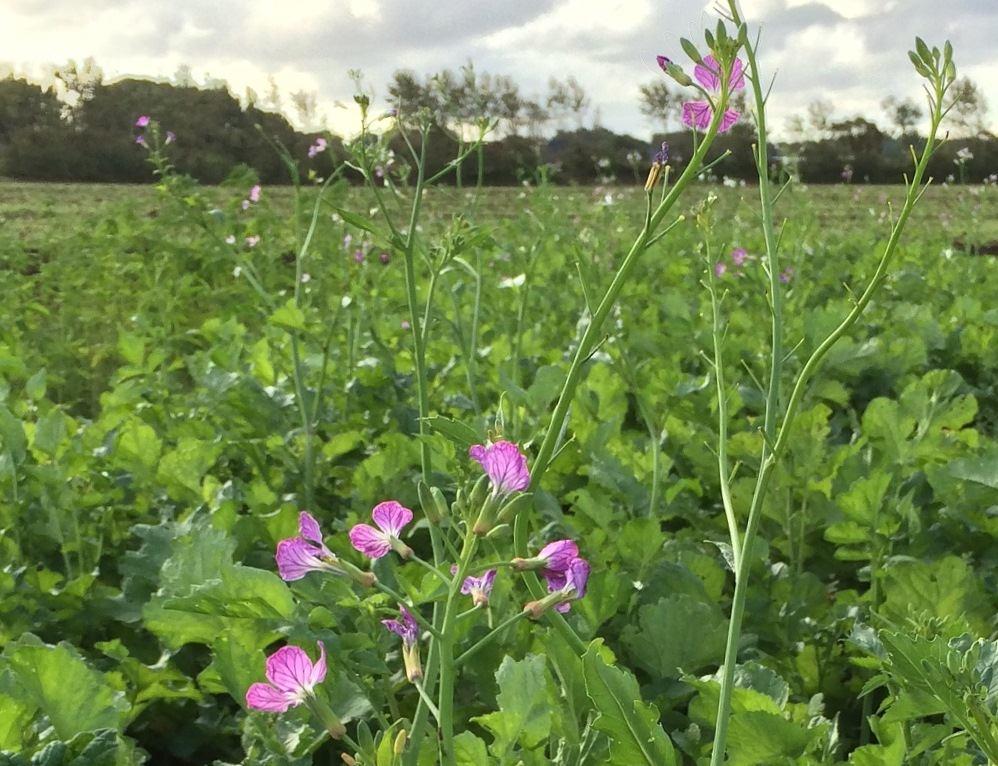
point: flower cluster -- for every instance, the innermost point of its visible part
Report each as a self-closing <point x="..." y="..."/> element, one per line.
<point x="253" y="197"/>
<point x="144" y="121"/>
<point x="708" y="73"/>
<point x="292" y="677"/>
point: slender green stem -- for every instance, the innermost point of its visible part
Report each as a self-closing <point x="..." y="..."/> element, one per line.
<point x="723" y="469"/>
<point x="770" y="459"/>
<point x="448" y="668"/>
<point x="588" y="343"/>
<point x="426" y="700"/>
<point x="488" y="638"/>
<point x="431" y="569"/>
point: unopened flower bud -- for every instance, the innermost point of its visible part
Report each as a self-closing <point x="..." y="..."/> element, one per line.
<point x="400" y="742"/>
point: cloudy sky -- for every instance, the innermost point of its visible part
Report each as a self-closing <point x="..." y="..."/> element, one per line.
<point x="848" y="52"/>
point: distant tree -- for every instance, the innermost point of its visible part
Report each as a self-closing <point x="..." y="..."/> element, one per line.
<point x="26" y="107"/>
<point x="819" y="117"/>
<point x="660" y="104"/>
<point x="903" y="113"/>
<point x="970" y="108"/>
<point x="566" y="99"/>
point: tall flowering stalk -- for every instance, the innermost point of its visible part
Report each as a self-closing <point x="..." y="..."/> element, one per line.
<point x="937" y="68"/>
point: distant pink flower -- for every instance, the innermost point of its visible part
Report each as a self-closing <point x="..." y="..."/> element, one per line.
<point x="293" y="678"/>
<point x="140" y="140"/>
<point x="317" y="147"/>
<point x="143" y="121"/>
<point x="384" y="258"/>
<point x="391" y="517"/>
<point x="698" y="114"/>
<point x="719" y="269"/>
<point x="504" y="464"/>
<point x="405" y="325"/>
<point x="253" y="241"/>
<point x="479" y="588"/>
<point x="254" y="193"/>
<point x="787" y="275"/>
<point x="358" y="255"/>
<point x="739" y="256"/>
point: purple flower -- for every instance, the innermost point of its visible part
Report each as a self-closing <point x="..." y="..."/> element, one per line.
<point x="384" y="258"/>
<point x="358" y="255"/>
<point x="663" y="62"/>
<point x="504" y="464"/>
<point x="787" y="275"/>
<point x="317" y="147"/>
<point x="143" y="121"/>
<point x="293" y="678"/>
<point x="408" y="629"/>
<point x="739" y="256"/>
<point x="576" y="579"/>
<point x="698" y="114"/>
<point x="558" y="556"/>
<point x="170" y="137"/>
<point x="662" y="155"/>
<point x="391" y="517"/>
<point x="479" y="588"/>
<point x="297" y="556"/>
<point x="254" y="193"/>
<point x="140" y="140"/>
<point x="719" y="269"/>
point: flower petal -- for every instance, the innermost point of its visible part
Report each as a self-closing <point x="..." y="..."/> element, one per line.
<point x="296" y="558"/>
<point x="737" y="75"/>
<point x="308" y="528"/>
<point x="559" y="555"/>
<point x="696" y="114"/>
<point x="728" y="120"/>
<point x="371" y="542"/>
<point x="290" y="670"/>
<point x="708" y="73"/>
<point x="266" y="697"/>
<point x="504" y="464"/>
<point x="578" y="577"/>
<point x="319" y="668"/>
<point x="391" y="517"/>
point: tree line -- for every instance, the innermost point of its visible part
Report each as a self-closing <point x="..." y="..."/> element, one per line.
<point x="78" y="129"/>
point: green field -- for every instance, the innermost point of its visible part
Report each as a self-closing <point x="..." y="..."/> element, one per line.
<point x="167" y="407"/>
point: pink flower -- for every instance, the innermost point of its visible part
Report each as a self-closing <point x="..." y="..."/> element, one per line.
<point x="254" y="193"/>
<point x="558" y="556"/>
<point x="293" y="678"/>
<point x="405" y="325"/>
<point x="384" y="258"/>
<point x="719" y="269"/>
<point x="317" y="147"/>
<point x="390" y="517"/>
<point x="297" y="556"/>
<point x="698" y="114"/>
<point x="504" y="464"/>
<point x="140" y="140"/>
<point x="739" y="256"/>
<point x="787" y="275"/>
<point x="358" y="255"/>
<point x="479" y="588"/>
<point x="253" y="241"/>
<point x="143" y="121"/>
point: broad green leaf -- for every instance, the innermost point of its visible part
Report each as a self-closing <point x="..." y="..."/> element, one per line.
<point x="679" y="633"/>
<point x="57" y="680"/>
<point x="469" y="750"/>
<point x="632" y="726"/>
<point x="289" y="316"/>
<point x="524" y="715"/>
<point x="758" y="738"/>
